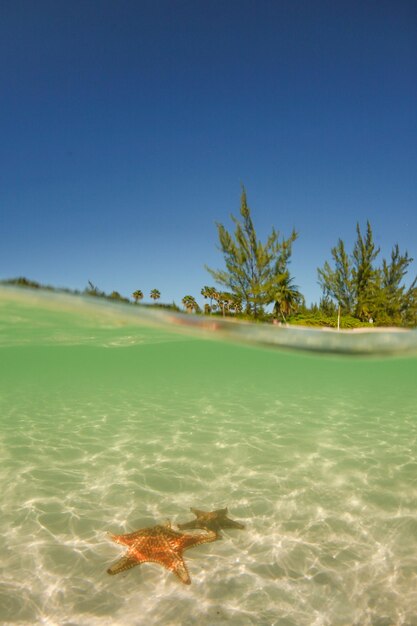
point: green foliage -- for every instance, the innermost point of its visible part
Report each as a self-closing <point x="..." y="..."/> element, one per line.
<point x="137" y="295"/>
<point x="287" y="298"/>
<point x="190" y="304"/>
<point x="365" y="276"/>
<point x="254" y="270"/>
<point x="326" y="306"/>
<point x="367" y="291"/>
<point x="93" y="290"/>
<point x="318" y="319"/>
<point x="353" y="280"/>
<point x="22" y="282"/>
<point x="115" y="295"/>
<point x="210" y="293"/>
<point x="397" y="303"/>
<point x="337" y="282"/>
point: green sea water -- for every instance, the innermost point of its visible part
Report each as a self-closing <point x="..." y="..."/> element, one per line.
<point x="115" y="421"/>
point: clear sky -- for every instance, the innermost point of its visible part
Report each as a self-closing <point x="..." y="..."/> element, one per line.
<point x="128" y="126"/>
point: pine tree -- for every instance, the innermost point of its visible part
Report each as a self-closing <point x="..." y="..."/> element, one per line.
<point x="366" y="291"/>
<point x="396" y="302"/>
<point x="337" y="283"/>
<point x="365" y="276"/>
<point x="253" y="269"/>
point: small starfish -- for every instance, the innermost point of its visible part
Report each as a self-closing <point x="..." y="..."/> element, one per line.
<point x="158" y="544"/>
<point x="212" y="521"/>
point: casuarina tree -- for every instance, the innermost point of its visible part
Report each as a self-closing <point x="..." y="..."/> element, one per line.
<point x="254" y="270"/>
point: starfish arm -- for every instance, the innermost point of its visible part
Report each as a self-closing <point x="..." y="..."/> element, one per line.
<point x="173" y="563"/>
<point x="198" y="512"/>
<point x="230" y="523"/>
<point x="189" y="541"/>
<point x="122" y="539"/>
<point x="189" y="525"/>
<point x="126" y="562"/>
<point x="130" y="538"/>
<point x="181" y="571"/>
<point x="143" y="532"/>
<point x="211" y="520"/>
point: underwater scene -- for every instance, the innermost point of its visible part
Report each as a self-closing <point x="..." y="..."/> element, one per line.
<point x="296" y="451"/>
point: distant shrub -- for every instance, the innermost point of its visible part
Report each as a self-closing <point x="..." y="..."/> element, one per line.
<point x="22" y="282"/>
<point x="321" y="320"/>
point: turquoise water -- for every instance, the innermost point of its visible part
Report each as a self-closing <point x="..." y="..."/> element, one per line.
<point x="113" y="421"/>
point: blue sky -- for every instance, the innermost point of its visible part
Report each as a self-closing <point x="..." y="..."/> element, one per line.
<point x="127" y="128"/>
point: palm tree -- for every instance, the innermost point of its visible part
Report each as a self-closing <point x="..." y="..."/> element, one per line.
<point x="224" y="300"/>
<point x="217" y="296"/>
<point x="287" y="297"/>
<point x="155" y="294"/>
<point x="137" y="295"/>
<point x="228" y="299"/>
<point x="237" y="305"/>
<point x="209" y="292"/>
<point x="190" y="304"/>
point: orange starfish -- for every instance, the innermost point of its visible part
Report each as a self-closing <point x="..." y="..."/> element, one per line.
<point x="212" y="521"/>
<point x="158" y="544"/>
